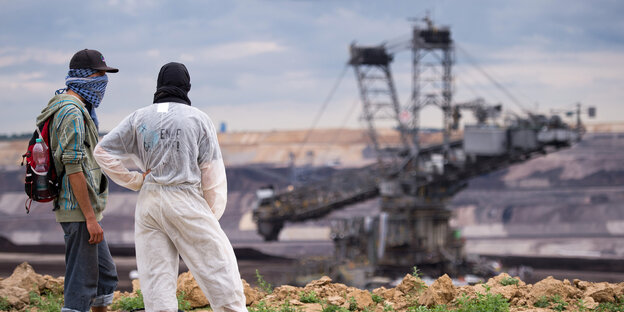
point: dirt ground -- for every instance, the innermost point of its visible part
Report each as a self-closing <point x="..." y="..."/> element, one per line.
<point x="548" y="294"/>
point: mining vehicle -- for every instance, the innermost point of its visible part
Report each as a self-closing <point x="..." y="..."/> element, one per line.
<point x="412" y="181"/>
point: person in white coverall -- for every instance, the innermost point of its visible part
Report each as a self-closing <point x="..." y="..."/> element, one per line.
<point x="183" y="193"/>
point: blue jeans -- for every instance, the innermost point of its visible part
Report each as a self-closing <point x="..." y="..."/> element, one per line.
<point x="90" y="273"/>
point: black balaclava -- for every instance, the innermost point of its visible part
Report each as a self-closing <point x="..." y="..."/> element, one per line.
<point x="173" y="84"/>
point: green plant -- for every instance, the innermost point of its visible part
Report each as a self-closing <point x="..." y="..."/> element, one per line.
<point x="388" y="308"/>
<point x="554" y="302"/>
<point x="580" y="305"/>
<point x="47" y="302"/>
<point x="416" y="272"/>
<point x="129" y="303"/>
<point x="377" y="298"/>
<point x="4" y="304"/>
<point x="483" y="302"/>
<point x="266" y="287"/>
<point x="333" y="308"/>
<point x="509" y="281"/>
<point x="309" y="297"/>
<point x="287" y="307"/>
<point x="618" y="306"/>
<point x="183" y="304"/>
<point x="260" y="307"/>
<point x="438" y="308"/>
<point x="559" y="304"/>
<point x="542" y="302"/>
<point x="353" y="306"/>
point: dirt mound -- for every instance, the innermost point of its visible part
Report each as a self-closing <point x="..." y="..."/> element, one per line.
<point x="549" y="294"/>
<point x="15" y="290"/>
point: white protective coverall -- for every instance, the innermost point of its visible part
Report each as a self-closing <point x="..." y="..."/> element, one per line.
<point x="179" y="203"/>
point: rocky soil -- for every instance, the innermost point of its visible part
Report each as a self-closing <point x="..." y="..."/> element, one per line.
<point x="546" y="295"/>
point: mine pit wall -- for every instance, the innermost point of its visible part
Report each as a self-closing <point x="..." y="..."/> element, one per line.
<point x="560" y="206"/>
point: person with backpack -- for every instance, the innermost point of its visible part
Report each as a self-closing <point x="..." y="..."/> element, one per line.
<point x="180" y="200"/>
<point x="90" y="274"/>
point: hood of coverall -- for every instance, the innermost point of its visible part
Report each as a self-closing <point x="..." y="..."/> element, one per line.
<point x="173" y="85"/>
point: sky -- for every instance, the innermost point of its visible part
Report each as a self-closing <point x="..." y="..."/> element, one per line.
<point x="271" y="65"/>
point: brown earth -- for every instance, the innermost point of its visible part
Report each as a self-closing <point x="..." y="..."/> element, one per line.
<point x="412" y="291"/>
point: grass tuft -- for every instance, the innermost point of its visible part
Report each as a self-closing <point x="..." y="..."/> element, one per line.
<point x="4" y="304"/>
<point x="509" y="281"/>
<point x="264" y="286"/>
<point x="309" y="297"/>
<point x="377" y="298"/>
<point x="47" y="302"/>
<point x="129" y="303"/>
<point x="483" y="302"/>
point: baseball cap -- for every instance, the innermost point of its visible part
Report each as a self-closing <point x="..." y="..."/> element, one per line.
<point x="90" y="59"/>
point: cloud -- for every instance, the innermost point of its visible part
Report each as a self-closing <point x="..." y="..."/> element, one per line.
<point x="132" y="7"/>
<point x="26" y="83"/>
<point x="232" y="51"/>
<point x="275" y="115"/>
<point x="13" y="56"/>
<point x="281" y="58"/>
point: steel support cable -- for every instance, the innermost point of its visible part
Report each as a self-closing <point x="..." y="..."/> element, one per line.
<point x="472" y="62"/>
<point x="477" y="95"/>
<point x="492" y="95"/>
<point x="397" y="44"/>
<point x="322" y="110"/>
<point x="466" y="84"/>
<point x="466" y="72"/>
<point x="346" y="119"/>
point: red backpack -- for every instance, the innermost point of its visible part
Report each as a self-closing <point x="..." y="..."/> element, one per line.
<point x="52" y="181"/>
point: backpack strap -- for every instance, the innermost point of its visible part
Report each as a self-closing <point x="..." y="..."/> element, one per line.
<point x="27" y="204"/>
<point x="62" y="174"/>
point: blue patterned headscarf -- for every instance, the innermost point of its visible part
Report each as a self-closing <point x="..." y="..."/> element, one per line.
<point x="91" y="89"/>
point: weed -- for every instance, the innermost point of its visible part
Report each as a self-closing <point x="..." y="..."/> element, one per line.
<point x="47" y="302"/>
<point x="542" y="302"/>
<point x="388" y="308"/>
<point x="260" y="307"/>
<point x="554" y="302"/>
<point x="438" y="308"/>
<point x="509" y="281"/>
<point x="416" y="272"/>
<point x="483" y="302"/>
<point x="129" y="303"/>
<point x="377" y="298"/>
<point x="266" y="287"/>
<point x="136" y="302"/>
<point x="580" y="305"/>
<point x="333" y="308"/>
<point x="183" y="304"/>
<point x="4" y="304"/>
<point x="309" y="297"/>
<point x="286" y="307"/>
<point x="616" y="306"/>
<point x="352" y="304"/>
<point x="559" y="304"/>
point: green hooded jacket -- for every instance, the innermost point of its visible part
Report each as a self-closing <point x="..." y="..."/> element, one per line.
<point x="73" y="136"/>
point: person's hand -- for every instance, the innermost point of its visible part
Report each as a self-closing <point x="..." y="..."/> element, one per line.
<point x="96" y="234"/>
<point x="146" y="173"/>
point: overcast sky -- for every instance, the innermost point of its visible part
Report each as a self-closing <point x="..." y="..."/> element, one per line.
<point x="262" y="65"/>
